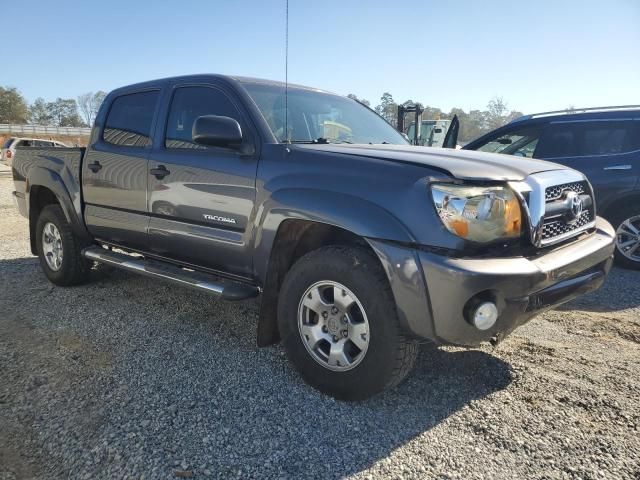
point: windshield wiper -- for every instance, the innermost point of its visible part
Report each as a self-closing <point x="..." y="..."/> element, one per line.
<point x="319" y="141"/>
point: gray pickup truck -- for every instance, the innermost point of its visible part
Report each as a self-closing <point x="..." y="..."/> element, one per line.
<point x="359" y="244"/>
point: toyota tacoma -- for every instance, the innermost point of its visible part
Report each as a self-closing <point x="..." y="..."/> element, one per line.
<point x="359" y="245"/>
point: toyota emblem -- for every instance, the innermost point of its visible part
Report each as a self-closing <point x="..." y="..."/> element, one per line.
<point x="575" y="204"/>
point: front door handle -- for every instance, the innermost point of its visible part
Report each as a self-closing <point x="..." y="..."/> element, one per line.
<point x="618" y="167"/>
<point x="95" y="166"/>
<point x="159" y="172"/>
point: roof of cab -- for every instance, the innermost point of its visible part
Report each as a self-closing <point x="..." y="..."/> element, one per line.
<point x="210" y="76"/>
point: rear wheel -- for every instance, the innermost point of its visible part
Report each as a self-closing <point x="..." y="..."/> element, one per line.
<point x="59" y="250"/>
<point x="627" y="225"/>
<point x="339" y="325"/>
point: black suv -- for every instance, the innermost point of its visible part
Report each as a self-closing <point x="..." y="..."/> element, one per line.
<point x="603" y="143"/>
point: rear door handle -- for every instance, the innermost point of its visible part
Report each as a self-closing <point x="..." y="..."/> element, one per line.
<point x="618" y="167"/>
<point x="160" y="172"/>
<point x="95" y="166"/>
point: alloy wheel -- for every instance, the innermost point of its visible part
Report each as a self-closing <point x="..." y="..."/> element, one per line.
<point x="333" y="325"/>
<point x="628" y="238"/>
<point x="52" y="246"/>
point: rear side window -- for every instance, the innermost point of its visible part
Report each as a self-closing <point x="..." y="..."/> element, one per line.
<point x="187" y="105"/>
<point x="609" y="139"/>
<point x="130" y="118"/>
<point x="583" y="139"/>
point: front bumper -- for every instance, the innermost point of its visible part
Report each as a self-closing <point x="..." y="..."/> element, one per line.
<point x="432" y="290"/>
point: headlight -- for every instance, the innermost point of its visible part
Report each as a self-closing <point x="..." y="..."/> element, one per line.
<point x="479" y="214"/>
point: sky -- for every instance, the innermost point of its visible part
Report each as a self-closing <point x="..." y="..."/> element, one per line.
<point x="538" y="55"/>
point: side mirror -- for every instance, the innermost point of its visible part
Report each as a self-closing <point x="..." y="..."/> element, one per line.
<point x="216" y="131"/>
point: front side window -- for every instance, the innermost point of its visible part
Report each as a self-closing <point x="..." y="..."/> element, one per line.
<point x="187" y="105"/>
<point x="130" y="118"/>
<point x="521" y="143"/>
<point x="559" y="141"/>
<point x="311" y="116"/>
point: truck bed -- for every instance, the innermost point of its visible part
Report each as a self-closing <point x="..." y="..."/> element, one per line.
<point x="63" y="162"/>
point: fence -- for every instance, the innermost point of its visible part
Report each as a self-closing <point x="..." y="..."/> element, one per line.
<point x="43" y="130"/>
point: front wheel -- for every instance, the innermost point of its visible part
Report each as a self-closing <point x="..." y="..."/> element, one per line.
<point x="339" y="324"/>
<point x="627" y="224"/>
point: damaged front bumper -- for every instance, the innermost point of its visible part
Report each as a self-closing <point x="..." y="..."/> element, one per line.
<point x="433" y="292"/>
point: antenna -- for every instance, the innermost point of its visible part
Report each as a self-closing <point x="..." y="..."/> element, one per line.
<point x="286" y="72"/>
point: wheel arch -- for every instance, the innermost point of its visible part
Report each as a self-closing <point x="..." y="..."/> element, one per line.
<point x="294" y="221"/>
<point x="45" y="187"/>
<point x="295" y="238"/>
<point x="610" y="211"/>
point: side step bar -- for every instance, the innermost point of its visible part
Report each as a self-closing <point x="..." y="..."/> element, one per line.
<point x="222" y="288"/>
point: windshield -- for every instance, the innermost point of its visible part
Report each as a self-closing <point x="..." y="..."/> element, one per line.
<point x="7" y="144"/>
<point x="317" y="117"/>
<point x="521" y="143"/>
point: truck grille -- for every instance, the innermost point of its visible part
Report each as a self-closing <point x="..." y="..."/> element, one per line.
<point x="555" y="192"/>
<point x="564" y="224"/>
<point x="555" y="228"/>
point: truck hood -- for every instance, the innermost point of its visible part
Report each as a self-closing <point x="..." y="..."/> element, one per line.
<point x="461" y="164"/>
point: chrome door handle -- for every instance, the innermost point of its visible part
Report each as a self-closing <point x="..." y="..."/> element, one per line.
<point x="618" y="167"/>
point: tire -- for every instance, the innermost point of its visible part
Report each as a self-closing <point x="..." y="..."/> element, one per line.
<point x="625" y="234"/>
<point x="388" y="354"/>
<point x="73" y="269"/>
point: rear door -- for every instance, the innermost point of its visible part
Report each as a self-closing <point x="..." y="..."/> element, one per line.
<point x="201" y="199"/>
<point x="606" y="151"/>
<point x="114" y="171"/>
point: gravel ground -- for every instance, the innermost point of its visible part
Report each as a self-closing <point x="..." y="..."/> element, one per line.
<point x="127" y="378"/>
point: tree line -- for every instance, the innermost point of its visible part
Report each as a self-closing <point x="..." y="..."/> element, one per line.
<point x="472" y="124"/>
<point x="61" y="112"/>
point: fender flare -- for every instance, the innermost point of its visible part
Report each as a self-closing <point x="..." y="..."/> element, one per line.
<point x="350" y="213"/>
<point x="46" y="178"/>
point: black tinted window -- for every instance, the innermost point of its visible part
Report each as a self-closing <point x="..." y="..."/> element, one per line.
<point x="130" y="118"/>
<point x="187" y="105"/>
<point x="583" y="139"/>
<point x="559" y="141"/>
<point x="608" y="139"/>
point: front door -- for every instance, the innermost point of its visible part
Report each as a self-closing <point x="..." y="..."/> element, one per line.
<point x="201" y="198"/>
<point x="114" y="172"/>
